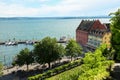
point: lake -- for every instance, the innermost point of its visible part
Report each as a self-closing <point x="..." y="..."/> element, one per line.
<point x="34" y="29"/>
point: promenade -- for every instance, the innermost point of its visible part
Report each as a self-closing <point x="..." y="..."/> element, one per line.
<point x="35" y="68"/>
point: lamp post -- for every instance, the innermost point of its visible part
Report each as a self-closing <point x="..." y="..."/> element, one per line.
<point x="4" y="60"/>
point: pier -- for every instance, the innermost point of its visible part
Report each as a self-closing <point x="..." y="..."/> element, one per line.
<point x="11" y="43"/>
<point x="27" y="42"/>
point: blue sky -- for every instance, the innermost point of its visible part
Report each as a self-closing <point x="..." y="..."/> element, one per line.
<point x="57" y="8"/>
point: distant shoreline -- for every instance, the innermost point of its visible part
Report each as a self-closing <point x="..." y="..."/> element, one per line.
<point x="81" y="17"/>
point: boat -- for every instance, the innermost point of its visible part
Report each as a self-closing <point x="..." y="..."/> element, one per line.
<point x="8" y="43"/>
<point x="30" y="42"/>
<point x="14" y="43"/>
<point x="63" y="39"/>
<point x="11" y="43"/>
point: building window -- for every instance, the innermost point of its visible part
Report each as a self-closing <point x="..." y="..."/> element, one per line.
<point x="105" y="37"/>
<point x="105" y="41"/>
<point x="107" y="33"/>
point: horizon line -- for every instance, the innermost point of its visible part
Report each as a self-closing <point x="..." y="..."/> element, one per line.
<point x="66" y="17"/>
<point x="50" y="16"/>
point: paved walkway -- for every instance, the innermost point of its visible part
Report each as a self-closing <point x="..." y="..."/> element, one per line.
<point x="9" y="74"/>
<point x="116" y="71"/>
<point x="116" y="67"/>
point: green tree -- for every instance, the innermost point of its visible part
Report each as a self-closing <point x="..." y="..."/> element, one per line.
<point x="1" y="68"/>
<point x="95" y="65"/>
<point x="48" y="50"/>
<point x="93" y="59"/>
<point x="115" y="28"/>
<point x="24" y="57"/>
<point x="61" y="51"/>
<point x="73" y="49"/>
<point x="108" y="53"/>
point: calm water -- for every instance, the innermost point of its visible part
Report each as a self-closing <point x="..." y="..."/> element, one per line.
<point x="33" y="29"/>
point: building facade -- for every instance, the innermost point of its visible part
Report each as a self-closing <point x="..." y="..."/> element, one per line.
<point x="82" y="31"/>
<point x="94" y="34"/>
<point x="96" y="38"/>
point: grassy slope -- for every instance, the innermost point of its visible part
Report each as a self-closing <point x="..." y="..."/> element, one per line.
<point x="65" y="74"/>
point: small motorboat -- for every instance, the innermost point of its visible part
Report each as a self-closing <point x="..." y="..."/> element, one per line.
<point x="10" y="43"/>
<point x="14" y="43"/>
<point x="30" y="42"/>
<point x="63" y="39"/>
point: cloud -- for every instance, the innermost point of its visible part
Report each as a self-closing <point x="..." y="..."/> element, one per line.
<point x="81" y="7"/>
<point x="61" y="8"/>
<point x="90" y="7"/>
<point x="16" y="10"/>
<point x="43" y="0"/>
<point x="36" y="0"/>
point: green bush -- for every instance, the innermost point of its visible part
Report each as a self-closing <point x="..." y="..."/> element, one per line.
<point x="31" y="78"/>
<point x="54" y="71"/>
<point x="49" y="73"/>
<point x="36" y="77"/>
<point x="65" y="67"/>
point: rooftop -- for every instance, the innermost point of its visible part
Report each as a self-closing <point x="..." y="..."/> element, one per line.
<point x="85" y="25"/>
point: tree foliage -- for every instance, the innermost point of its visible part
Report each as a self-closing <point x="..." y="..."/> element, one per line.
<point x="1" y="68"/>
<point x="115" y="28"/>
<point x="95" y="67"/>
<point x="24" y="57"/>
<point x="73" y="49"/>
<point x="48" y="50"/>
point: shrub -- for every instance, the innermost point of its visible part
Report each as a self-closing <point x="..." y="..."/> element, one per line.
<point x="55" y="71"/>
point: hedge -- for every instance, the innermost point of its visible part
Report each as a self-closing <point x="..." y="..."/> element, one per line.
<point x="56" y="70"/>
